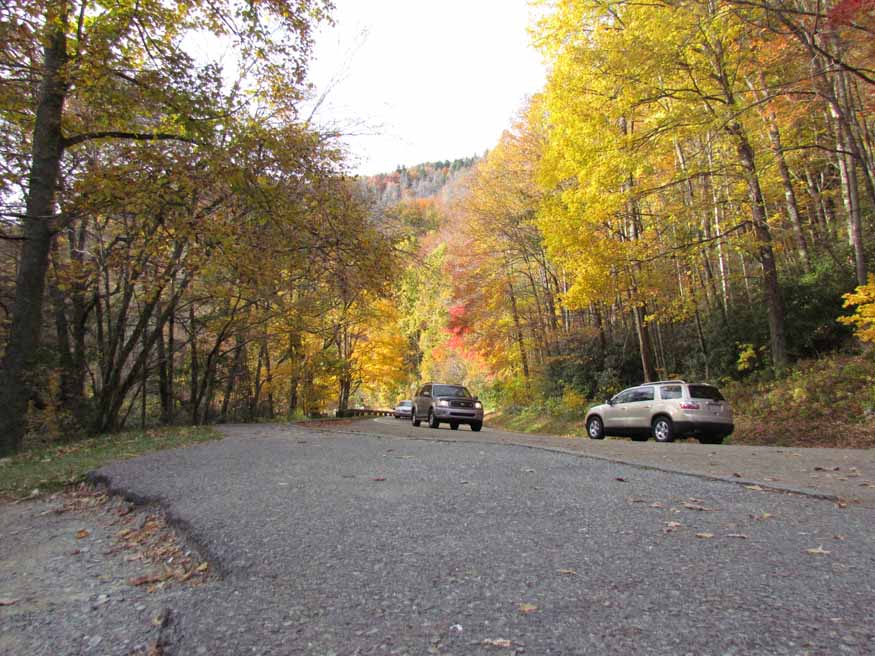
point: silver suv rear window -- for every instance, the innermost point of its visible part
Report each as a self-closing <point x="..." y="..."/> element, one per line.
<point x="670" y="392"/>
<point x="705" y="392"/>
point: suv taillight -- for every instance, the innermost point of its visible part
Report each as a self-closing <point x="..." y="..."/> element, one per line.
<point x="689" y="405"/>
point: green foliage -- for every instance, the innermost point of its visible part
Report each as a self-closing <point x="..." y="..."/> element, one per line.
<point x="812" y="303"/>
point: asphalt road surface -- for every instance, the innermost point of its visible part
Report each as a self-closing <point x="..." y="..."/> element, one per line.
<point x="359" y="540"/>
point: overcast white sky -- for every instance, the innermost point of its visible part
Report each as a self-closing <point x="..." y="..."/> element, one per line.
<point x="423" y="80"/>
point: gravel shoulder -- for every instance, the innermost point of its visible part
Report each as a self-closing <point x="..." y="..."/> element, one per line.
<point x="84" y="573"/>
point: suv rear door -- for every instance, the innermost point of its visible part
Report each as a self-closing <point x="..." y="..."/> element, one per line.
<point x="638" y="410"/>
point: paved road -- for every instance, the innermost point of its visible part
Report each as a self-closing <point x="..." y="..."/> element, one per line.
<point x="846" y="475"/>
<point x="339" y="542"/>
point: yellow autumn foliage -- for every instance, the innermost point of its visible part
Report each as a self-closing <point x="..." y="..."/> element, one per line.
<point x="863" y="319"/>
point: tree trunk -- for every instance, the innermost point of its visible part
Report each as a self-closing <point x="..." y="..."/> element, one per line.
<point x="48" y="147"/>
<point x="269" y="379"/>
<point x="789" y="193"/>
<point x="232" y="378"/>
<point x="193" y="380"/>
<point x="771" y="289"/>
<point x="524" y="359"/>
<point x="850" y="195"/>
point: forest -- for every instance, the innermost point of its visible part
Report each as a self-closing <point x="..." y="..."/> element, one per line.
<point x="691" y="195"/>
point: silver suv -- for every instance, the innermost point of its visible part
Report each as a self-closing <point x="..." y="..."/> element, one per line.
<point x="665" y="409"/>
<point x="450" y="404"/>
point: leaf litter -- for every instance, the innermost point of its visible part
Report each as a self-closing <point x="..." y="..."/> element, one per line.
<point x="142" y="537"/>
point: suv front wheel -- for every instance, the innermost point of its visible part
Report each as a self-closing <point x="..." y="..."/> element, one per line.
<point x="413" y="419"/>
<point x="595" y="429"/>
<point x="662" y="429"/>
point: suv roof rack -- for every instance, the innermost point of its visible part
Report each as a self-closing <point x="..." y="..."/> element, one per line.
<point x="665" y="382"/>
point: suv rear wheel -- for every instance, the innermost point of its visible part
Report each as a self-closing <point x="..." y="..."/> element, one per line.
<point x="595" y="429"/>
<point x="662" y="429"/>
<point x="432" y="420"/>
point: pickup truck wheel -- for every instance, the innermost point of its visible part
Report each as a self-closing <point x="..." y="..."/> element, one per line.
<point x="662" y="429"/>
<point x="432" y="420"/>
<point x="595" y="429"/>
<point x="476" y="425"/>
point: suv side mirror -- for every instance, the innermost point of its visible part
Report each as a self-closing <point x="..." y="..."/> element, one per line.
<point x="609" y="401"/>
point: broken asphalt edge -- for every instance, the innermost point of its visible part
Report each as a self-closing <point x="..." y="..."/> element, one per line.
<point x="182" y="527"/>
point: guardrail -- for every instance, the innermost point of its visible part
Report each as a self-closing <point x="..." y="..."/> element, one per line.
<point x="362" y="412"/>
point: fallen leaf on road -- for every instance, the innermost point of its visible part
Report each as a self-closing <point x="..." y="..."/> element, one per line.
<point x="672" y="526"/>
<point x="160" y="619"/>
<point x="155" y="649"/>
<point x="203" y="567"/>
<point x="143" y="580"/>
<point x="567" y="572"/>
<point x="841" y="503"/>
<point x="817" y="551"/>
<point x="656" y="504"/>
<point x="526" y="609"/>
<point x="497" y="642"/>
<point x="8" y="602"/>
<point x="528" y="471"/>
<point x="82" y="533"/>
<point x="621" y="479"/>
<point x="696" y="506"/>
<point x="755" y="488"/>
<point x="736" y="475"/>
<point x="740" y="536"/>
<point x="705" y="536"/>
<point x="378" y="479"/>
<point x="761" y="518"/>
<point x="840" y="538"/>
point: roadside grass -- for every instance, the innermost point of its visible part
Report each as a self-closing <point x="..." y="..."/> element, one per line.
<point x="828" y="402"/>
<point x="50" y="468"/>
<point x="533" y="419"/>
